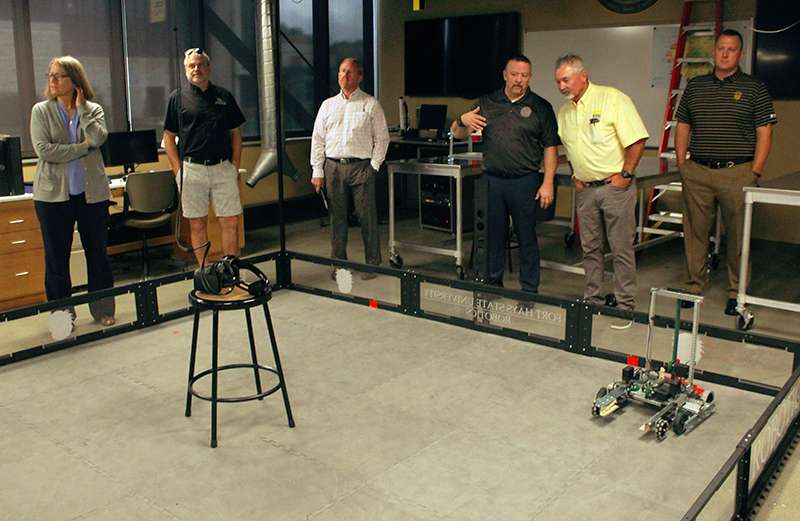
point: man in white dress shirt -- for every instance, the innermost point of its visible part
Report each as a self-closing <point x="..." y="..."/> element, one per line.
<point x="348" y="146"/>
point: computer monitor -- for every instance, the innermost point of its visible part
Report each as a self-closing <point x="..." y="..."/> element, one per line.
<point x="130" y="148"/>
<point x="432" y="117"/>
<point x="11" y="182"/>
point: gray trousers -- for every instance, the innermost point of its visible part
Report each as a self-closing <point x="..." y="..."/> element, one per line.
<point x="611" y="210"/>
<point x="358" y="179"/>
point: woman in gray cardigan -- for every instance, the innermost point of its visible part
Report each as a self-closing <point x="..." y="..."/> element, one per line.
<point x="70" y="185"/>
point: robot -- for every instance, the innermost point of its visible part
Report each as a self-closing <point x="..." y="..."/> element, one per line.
<point x="682" y="404"/>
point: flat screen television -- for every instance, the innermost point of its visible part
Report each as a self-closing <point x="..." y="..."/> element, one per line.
<point x="11" y="182"/>
<point x="130" y="148"/>
<point x="460" y="56"/>
<point x="778" y="53"/>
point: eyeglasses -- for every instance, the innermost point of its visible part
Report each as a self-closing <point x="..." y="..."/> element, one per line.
<point x="57" y="77"/>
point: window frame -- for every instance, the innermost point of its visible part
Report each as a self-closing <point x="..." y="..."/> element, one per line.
<point x="192" y="30"/>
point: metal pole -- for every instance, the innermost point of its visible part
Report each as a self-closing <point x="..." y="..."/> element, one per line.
<point x="126" y="65"/>
<point x="650" y="327"/>
<point x="676" y="332"/>
<point x="744" y="259"/>
<point x="276" y="60"/>
<point x="695" y="332"/>
<point x="742" y="486"/>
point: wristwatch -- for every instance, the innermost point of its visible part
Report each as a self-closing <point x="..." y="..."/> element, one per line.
<point x="459" y="122"/>
<point x="627" y="175"/>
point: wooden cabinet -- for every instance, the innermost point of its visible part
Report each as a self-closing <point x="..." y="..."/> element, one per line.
<point x="21" y="255"/>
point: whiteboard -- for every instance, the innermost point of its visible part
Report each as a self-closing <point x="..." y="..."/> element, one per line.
<point x="620" y="57"/>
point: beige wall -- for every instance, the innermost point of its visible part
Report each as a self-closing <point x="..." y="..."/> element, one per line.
<point x="776" y="222"/>
<point x="556" y="14"/>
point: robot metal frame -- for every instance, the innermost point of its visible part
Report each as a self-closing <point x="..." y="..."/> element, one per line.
<point x="682" y="404"/>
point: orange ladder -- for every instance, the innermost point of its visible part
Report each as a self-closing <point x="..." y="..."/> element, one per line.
<point x="687" y="28"/>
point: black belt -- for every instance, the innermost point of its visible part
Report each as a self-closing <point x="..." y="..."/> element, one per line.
<point x="346" y="160"/>
<point x="601" y="182"/>
<point x="722" y="163"/>
<point x="206" y="162"/>
<point x="506" y="175"/>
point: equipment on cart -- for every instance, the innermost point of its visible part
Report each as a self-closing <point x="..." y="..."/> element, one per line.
<point x="682" y="404"/>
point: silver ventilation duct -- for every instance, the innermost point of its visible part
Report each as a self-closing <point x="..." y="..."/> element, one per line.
<point x="267" y="162"/>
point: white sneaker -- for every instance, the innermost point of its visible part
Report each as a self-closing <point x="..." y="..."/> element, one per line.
<point x="620" y="323"/>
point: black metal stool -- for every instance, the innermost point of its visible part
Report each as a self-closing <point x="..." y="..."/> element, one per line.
<point x="236" y="299"/>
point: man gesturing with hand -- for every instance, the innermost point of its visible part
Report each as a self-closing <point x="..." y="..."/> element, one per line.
<point x="520" y="136"/>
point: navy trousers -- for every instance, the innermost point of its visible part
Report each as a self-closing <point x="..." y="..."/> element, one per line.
<point x="514" y="197"/>
<point x="57" y="222"/>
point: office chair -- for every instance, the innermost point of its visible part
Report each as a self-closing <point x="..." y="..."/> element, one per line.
<point x="150" y="200"/>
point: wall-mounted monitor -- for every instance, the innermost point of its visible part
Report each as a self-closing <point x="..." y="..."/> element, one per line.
<point x="128" y="149"/>
<point x="459" y="56"/>
<point x="11" y="182"/>
<point x="778" y="53"/>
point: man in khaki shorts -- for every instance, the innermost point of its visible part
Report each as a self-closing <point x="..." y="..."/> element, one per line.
<point x="208" y="120"/>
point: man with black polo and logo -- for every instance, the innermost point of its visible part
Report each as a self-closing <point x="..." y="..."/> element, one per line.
<point x="725" y="122"/>
<point x="348" y="146"/>
<point x="208" y="119"/>
<point x="520" y="135"/>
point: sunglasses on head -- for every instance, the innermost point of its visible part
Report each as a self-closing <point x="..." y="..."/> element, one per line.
<point x="195" y="50"/>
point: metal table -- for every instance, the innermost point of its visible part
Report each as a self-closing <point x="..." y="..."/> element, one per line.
<point x="648" y="175"/>
<point x="784" y="190"/>
<point x="457" y="167"/>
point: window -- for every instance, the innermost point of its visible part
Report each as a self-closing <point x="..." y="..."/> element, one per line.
<point x="154" y="63"/>
<point x="11" y="85"/>
<point x="297" y="73"/>
<point x="80" y="29"/>
<point x="230" y="31"/>
<point x="346" y="30"/>
<point x="316" y="35"/>
<point x="133" y="54"/>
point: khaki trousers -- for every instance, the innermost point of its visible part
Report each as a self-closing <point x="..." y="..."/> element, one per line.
<point x="703" y="188"/>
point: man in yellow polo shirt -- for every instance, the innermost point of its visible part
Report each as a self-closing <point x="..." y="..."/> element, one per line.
<point x="604" y="138"/>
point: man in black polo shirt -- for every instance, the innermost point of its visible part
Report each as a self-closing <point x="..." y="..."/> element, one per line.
<point x="208" y="120"/>
<point x="725" y="122"/>
<point x="519" y="134"/>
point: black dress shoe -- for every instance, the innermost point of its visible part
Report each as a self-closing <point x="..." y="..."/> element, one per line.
<point x="730" y="307"/>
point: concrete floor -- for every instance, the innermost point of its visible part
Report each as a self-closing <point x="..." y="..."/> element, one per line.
<point x="343" y="481"/>
<point x="394" y="421"/>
